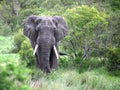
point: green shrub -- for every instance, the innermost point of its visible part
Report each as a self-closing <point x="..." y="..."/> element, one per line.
<point x="22" y="45"/>
<point x="64" y="61"/>
<point x="87" y="64"/>
<point x="18" y="39"/>
<point x="13" y="77"/>
<point x="78" y="58"/>
<point x="27" y="12"/>
<point x="86" y="24"/>
<point x="4" y="28"/>
<point x="26" y="54"/>
<point x="115" y="4"/>
<point x="113" y="62"/>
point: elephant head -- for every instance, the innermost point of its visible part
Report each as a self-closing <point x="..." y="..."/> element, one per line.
<point x="44" y="33"/>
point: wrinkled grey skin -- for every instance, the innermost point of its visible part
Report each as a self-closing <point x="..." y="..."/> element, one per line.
<point x="45" y="31"/>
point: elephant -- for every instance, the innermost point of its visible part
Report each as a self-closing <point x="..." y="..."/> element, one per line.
<point x="45" y="33"/>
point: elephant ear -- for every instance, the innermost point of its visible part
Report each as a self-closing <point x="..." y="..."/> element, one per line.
<point x="62" y="28"/>
<point x="30" y="26"/>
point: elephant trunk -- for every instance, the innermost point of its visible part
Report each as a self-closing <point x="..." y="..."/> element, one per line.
<point x="43" y="54"/>
<point x="44" y="57"/>
<point x="46" y="52"/>
<point x="54" y="47"/>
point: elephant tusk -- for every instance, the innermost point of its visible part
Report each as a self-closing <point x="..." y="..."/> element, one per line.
<point x="56" y="52"/>
<point x="36" y="46"/>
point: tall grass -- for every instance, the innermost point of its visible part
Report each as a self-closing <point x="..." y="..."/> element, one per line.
<point x="64" y="79"/>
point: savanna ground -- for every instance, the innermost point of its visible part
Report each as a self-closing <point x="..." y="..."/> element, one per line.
<point x="88" y="77"/>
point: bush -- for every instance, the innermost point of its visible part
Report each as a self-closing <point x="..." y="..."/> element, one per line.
<point x="115" y="4"/>
<point x="87" y="65"/>
<point x="13" y="77"/>
<point x="113" y="62"/>
<point x="22" y="45"/>
<point x="18" y="39"/>
<point x="86" y="25"/>
<point x="4" y="28"/>
<point x="27" y="12"/>
<point x="64" y="61"/>
<point x="26" y="54"/>
<point x="78" y="59"/>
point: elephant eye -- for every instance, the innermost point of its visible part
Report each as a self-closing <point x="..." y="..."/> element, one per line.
<point x="38" y="21"/>
<point x="38" y="28"/>
<point x="55" y="22"/>
<point x="53" y="30"/>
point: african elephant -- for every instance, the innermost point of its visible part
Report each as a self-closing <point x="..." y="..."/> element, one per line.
<point x="44" y="33"/>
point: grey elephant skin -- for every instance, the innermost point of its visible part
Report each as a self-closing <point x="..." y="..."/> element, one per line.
<point x="44" y="33"/>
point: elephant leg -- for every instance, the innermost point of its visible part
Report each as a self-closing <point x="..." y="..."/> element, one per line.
<point x="53" y="59"/>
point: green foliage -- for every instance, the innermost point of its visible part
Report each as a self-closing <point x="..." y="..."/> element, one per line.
<point x="86" y="65"/>
<point x="89" y="36"/>
<point x="64" y="61"/>
<point x="27" y="12"/>
<point x="13" y="77"/>
<point x="23" y="46"/>
<point x="99" y="81"/>
<point x="49" y="4"/>
<point x="113" y="55"/>
<point x="85" y="17"/>
<point x="4" y="28"/>
<point x="88" y="26"/>
<point x="5" y="44"/>
<point x="70" y="79"/>
<point x="18" y="39"/>
<point x="26" y="54"/>
<point x="114" y="29"/>
<point x="115" y="4"/>
<point x="57" y="10"/>
<point x="78" y="59"/>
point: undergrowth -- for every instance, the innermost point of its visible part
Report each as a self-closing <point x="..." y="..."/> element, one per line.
<point x="89" y="75"/>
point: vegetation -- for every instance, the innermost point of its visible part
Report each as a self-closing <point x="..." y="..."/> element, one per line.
<point x="92" y="46"/>
<point x="85" y="22"/>
<point x="12" y="75"/>
<point x="113" y="56"/>
<point x="26" y="54"/>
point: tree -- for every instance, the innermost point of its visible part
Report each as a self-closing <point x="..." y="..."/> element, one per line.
<point x="114" y="29"/>
<point x="9" y="12"/>
<point x="88" y="28"/>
